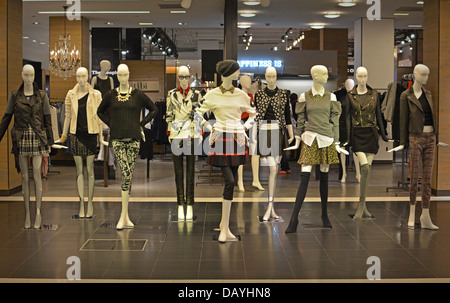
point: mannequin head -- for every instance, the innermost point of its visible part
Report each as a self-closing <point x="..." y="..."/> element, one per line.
<point x="28" y="74"/>
<point x="319" y="73"/>
<point x="123" y="74"/>
<point x="246" y="83"/>
<point x="184" y="76"/>
<point x="271" y="77"/>
<point x="349" y="84"/>
<point x="421" y="74"/>
<point x="233" y="77"/>
<point x="229" y="70"/>
<point x="361" y="76"/>
<point x="105" y="66"/>
<point x="82" y="76"/>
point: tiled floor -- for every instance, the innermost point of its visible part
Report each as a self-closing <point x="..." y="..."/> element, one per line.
<point x="159" y="248"/>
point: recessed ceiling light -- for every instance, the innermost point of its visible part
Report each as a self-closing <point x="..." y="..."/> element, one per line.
<point x="25" y="37"/>
<point x="332" y="15"/>
<point x="145" y="23"/>
<point x="244" y="24"/>
<point x="401" y="14"/>
<point x="109" y="23"/>
<point x="35" y="23"/>
<point x="415" y="25"/>
<point x="178" y="12"/>
<point x="420" y="2"/>
<point x="182" y="23"/>
<point x="247" y="14"/>
<point x="252" y="2"/>
<point x="317" y="26"/>
<point x="347" y="3"/>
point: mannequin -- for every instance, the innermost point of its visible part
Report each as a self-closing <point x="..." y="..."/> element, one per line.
<point x="181" y="129"/>
<point x="320" y="141"/>
<point x="103" y="82"/>
<point x="246" y="83"/>
<point x="85" y="126"/>
<point x="228" y="139"/>
<point x="31" y="136"/>
<point x="273" y="109"/>
<point x="364" y="123"/>
<point x="121" y="110"/>
<point x="418" y="129"/>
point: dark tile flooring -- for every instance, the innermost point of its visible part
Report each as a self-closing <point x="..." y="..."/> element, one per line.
<point x="159" y="248"/>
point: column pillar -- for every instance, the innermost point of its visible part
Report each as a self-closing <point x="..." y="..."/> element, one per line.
<point x="436" y="43"/>
<point x="230" y="29"/>
<point x="10" y="79"/>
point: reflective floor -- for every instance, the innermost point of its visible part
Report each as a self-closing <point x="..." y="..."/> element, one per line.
<point x="160" y="248"/>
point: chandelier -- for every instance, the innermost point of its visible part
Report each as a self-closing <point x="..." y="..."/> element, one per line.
<point x="65" y="60"/>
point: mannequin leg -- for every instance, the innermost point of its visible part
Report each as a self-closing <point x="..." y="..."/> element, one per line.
<point x="179" y="183"/>
<point x="190" y="174"/>
<point x="415" y="160"/>
<point x="241" y="178"/>
<point x="37" y="165"/>
<point x="301" y="194"/>
<point x="366" y="163"/>
<point x="23" y="163"/>
<point x="324" y="169"/>
<point x="229" y="175"/>
<point x="273" y="174"/>
<point x="357" y="168"/>
<point x="344" y="167"/>
<point x="427" y="170"/>
<point x="80" y="183"/>
<point x="255" y="170"/>
<point x="91" y="183"/>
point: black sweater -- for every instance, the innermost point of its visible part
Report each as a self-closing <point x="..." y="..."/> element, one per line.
<point x="124" y="118"/>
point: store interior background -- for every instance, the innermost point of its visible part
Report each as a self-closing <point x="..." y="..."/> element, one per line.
<point x="200" y="34"/>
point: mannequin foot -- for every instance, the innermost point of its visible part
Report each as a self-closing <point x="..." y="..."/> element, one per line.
<point x="38" y="220"/>
<point x="326" y="222"/>
<point x="128" y="223"/>
<point x="412" y="218"/>
<point x="81" y="212"/>
<point x="226" y="234"/>
<point x="90" y="210"/>
<point x="258" y="185"/>
<point x="270" y="213"/>
<point x="292" y="228"/>
<point x="425" y="220"/>
<point x="180" y="213"/>
<point x="27" y="221"/>
<point x="343" y="178"/>
<point x="189" y="213"/>
<point x="241" y="187"/>
<point x="124" y="223"/>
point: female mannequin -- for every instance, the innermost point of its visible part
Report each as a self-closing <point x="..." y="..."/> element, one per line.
<point x="364" y="123"/>
<point x="85" y="126"/>
<point x="31" y="136"/>
<point x="182" y="132"/>
<point x="418" y="129"/>
<point x="121" y="110"/>
<point x="246" y="83"/>
<point x="273" y="109"/>
<point x="103" y="82"/>
<point x="228" y="140"/>
<point x="319" y="138"/>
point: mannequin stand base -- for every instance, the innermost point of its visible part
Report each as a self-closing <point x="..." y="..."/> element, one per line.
<point x="114" y="226"/>
<point x="271" y="220"/>
<point x="77" y="217"/>
<point x="51" y="227"/>
<point x="363" y="218"/>
<point x="237" y="239"/>
<point x="175" y="219"/>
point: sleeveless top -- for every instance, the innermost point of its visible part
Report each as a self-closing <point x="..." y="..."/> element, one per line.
<point x="103" y="85"/>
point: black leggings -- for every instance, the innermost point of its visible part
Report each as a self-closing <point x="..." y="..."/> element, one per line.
<point x="229" y="176"/>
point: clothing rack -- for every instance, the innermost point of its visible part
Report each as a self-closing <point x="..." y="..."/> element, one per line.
<point x="402" y="184"/>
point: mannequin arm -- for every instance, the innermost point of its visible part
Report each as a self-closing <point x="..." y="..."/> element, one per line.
<point x="442" y="144"/>
<point x="290" y="130"/>
<point x="339" y="149"/>
<point x="398" y="148"/>
<point x="101" y="138"/>
<point x="57" y="146"/>
<point x="298" y="140"/>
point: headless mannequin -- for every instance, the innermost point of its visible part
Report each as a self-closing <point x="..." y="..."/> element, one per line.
<point x="319" y="74"/>
<point x="105" y="66"/>
<point x="225" y="232"/>
<point x="274" y="162"/>
<point x="349" y="84"/>
<point x="421" y="74"/>
<point x="82" y="76"/>
<point x="184" y="83"/>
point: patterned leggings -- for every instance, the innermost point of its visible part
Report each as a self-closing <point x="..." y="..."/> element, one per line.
<point x="421" y="149"/>
<point x="126" y="152"/>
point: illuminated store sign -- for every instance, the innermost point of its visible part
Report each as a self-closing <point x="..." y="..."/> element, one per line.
<point x="260" y="63"/>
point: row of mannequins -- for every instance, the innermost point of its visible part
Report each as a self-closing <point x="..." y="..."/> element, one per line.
<point x="259" y="125"/>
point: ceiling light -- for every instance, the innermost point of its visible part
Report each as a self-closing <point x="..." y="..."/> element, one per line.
<point x="145" y="23"/>
<point x="347" y="3"/>
<point x="317" y="26"/>
<point x="252" y="2"/>
<point x="178" y="12"/>
<point x="25" y="37"/>
<point x="332" y="15"/>
<point x="244" y="24"/>
<point x="401" y="14"/>
<point x="413" y="36"/>
<point x="420" y="2"/>
<point x="415" y="25"/>
<point x="35" y="23"/>
<point x="96" y="12"/>
<point x="247" y="14"/>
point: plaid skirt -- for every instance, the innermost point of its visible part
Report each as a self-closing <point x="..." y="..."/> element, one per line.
<point x="313" y="155"/>
<point x="227" y="149"/>
<point x="30" y="145"/>
<point x="85" y="145"/>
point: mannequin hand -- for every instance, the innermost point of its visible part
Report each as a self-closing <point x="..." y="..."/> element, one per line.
<point x="442" y="144"/>
<point x="298" y="140"/>
<point x="391" y="141"/>
<point x="345" y="144"/>
<point x="57" y="146"/>
<point x="400" y="147"/>
<point x="62" y="139"/>
<point x="142" y="134"/>
<point x="103" y="142"/>
<point x="340" y="150"/>
<point x="291" y="139"/>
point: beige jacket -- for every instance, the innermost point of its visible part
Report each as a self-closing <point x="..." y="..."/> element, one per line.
<point x="95" y="125"/>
